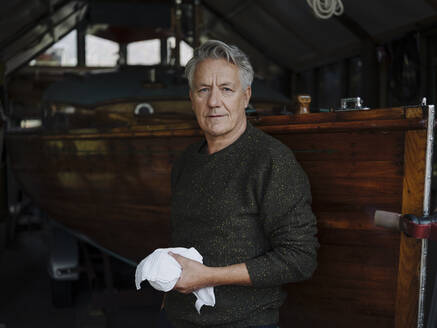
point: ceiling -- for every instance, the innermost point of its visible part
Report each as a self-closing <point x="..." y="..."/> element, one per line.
<point x="277" y="34"/>
<point x="288" y="33"/>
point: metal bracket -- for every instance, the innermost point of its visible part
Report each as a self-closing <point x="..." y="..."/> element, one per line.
<point x="424" y="107"/>
<point x="355" y="103"/>
<point x="426" y="210"/>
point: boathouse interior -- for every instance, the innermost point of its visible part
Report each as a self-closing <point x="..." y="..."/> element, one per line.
<point x="95" y="110"/>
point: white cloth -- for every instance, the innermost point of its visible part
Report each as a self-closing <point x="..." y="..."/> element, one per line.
<point x="162" y="271"/>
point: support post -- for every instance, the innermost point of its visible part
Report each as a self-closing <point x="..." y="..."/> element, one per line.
<point x="178" y="32"/>
<point x="164" y="51"/>
<point x="81" y="45"/>
<point x="197" y="23"/>
<point x="122" y="53"/>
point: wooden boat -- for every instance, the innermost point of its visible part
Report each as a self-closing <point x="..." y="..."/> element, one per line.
<point x="112" y="185"/>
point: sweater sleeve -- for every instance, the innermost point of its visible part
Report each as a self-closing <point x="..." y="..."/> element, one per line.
<point x="288" y="223"/>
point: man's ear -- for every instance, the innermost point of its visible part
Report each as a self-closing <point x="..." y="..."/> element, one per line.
<point x="247" y="95"/>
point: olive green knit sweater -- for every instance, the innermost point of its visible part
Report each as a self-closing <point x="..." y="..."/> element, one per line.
<point x="249" y="202"/>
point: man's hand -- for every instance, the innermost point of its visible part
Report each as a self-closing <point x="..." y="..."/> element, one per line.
<point x="196" y="275"/>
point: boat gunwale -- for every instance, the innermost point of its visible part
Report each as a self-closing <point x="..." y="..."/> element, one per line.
<point x="381" y="119"/>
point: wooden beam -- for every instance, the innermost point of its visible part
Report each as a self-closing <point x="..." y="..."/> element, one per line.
<point x="81" y="46"/>
<point x="164" y="51"/>
<point x="21" y="48"/>
<point x="122" y="54"/>
<point x="197" y="18"/>
<point x="177" y="14"/>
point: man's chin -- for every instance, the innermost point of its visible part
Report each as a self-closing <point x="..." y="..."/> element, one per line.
<point x="218" y="133"/>
<point x="214" y="128"/>
<point x="218" y="130"/>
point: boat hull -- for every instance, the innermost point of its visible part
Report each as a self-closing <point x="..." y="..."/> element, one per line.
<point x="114" y="187"/>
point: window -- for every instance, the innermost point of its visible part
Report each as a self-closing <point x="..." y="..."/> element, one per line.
<point x="144" y="52"/>
<point x="62" y="53"/>
<point x="100" y="52"/>
<point x="186" y="51"/>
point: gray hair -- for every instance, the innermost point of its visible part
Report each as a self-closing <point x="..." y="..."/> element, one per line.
<point x="215" y="49"/>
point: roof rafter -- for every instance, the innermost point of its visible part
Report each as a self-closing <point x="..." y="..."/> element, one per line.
<point x="28" y="44"/>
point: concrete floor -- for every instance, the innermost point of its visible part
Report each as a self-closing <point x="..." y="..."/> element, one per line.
<point x="25" y="295"/>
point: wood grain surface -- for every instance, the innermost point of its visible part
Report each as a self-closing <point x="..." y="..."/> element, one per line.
<point x="410" y="249"/>
<point x="113" y="185"/>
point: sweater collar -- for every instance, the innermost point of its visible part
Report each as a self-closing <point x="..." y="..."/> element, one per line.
<point x="202" y="149"/>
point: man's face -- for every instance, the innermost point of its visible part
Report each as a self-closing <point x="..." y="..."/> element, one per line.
<point x="218" y="99"/>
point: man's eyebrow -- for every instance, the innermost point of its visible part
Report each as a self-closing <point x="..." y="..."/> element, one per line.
<point x="226" y="84"/>
<point x="204" y="84"/>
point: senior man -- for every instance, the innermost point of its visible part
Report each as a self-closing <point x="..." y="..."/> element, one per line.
<point x="241" y="199"/>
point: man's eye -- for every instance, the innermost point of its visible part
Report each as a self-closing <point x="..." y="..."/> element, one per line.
<point x="227" y="89"/>
<point x="203" y="90"/>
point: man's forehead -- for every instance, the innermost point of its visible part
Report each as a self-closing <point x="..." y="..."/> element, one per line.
<point x="217" y="70"/>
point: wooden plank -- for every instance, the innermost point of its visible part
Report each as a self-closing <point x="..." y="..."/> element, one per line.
<point x="356" y="238"/>
<point x="407" y="292"/>
<point x="351" y="175"/>
<point x="346" y="126"/>
<point x="358" y="280"/>
<point x="346" y="146"/>
<point x="353" y="169"/>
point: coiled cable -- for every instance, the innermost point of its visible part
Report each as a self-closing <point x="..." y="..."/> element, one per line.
<point x="324" y="9"/>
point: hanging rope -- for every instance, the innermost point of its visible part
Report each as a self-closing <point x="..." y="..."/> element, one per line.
<point x="324" y="9"/>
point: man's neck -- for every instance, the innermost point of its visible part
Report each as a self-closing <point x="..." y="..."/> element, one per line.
<point x="216" y="144"/>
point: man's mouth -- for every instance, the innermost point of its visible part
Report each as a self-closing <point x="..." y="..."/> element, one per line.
<point x="216" y="116"/>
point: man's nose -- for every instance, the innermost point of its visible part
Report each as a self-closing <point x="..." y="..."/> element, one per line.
<point x="214" y="98"/>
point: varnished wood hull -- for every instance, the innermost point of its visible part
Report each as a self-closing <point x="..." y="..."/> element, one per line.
<point x="115" y="188"/>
